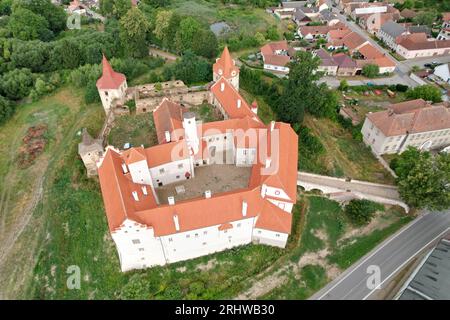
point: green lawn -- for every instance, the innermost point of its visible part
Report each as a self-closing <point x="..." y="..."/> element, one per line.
<point x="327" y="217"/>
<point x="135" y="129"/>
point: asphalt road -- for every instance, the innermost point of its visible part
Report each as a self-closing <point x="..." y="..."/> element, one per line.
<point x="390" y="256"/>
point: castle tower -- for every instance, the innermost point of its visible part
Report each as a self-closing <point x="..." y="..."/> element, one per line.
<point x="111" y="86"/>
<point x="90" y="151"/>
<point x="225" y="67"/>
<point x="190" y="129"/>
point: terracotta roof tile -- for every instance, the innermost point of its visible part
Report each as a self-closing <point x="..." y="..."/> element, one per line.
<point x="109" y="79"/>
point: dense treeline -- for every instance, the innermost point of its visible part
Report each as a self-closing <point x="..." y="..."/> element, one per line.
<point x="38" y="53"/>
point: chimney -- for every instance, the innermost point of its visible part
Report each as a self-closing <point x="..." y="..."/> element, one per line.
<point x="144" y="190"/>
<point x="167" y="134"/>
<point x="272" y="125"/>
<point x="176" y="222"/>
<point x="268" y="162"/>
<point x="124" y="168"/>
<point x="239" y="103"/>
<point x="208" y="194"/>
<point x="135" y="196"/>
<point x="171" y="200"/>
<point x="222" y="86"/>
<point x="244" y="208"/>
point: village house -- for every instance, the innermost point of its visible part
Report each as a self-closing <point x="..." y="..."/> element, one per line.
<point x="345" y="39"/>
<point x="371" y="55"/>
<point x="412" y="123"/>
<point x="444" y="34"/>
<point x="417" y="45"/>
<point x="275" y="57"/>
<point x="205" y="187"/>
<point x="443" y="72"/>
<point x="390" y="34"/>
<point x="328" y="66"/>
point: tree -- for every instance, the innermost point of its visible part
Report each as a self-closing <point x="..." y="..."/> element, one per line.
<point x="272" y="33"/>
<point x="121" y="7"/>
<point x="425" y="18"/>
<point x="425" y="92"/>
<point x="371" y="70"/>
<point x="343" y="85"/>
<point x="5" y="7"/>
<point x="205" y="44"/>
<point x="30" y="54"/>
<point x="187" y="31"/>
<point x="26" y="25"/>
<point x="16" y="84"/>
<point x="302" y="93"/>
<point x="6" y="109"/>
<point x="360" y="212"/>
<point x="166" y="26"/>
<point x="54" y="15"/>
<point x="424" y="180"/>
<point x="191" y="69"/>
<point x="260" y="38"/>
<point x="133" y="33"/>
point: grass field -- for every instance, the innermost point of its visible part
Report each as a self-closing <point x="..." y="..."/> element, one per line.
<point x="23" y="192"/>
<point x="344" y="155"/>
<point x="240" y="18"/>
<point x="328" y="245"/>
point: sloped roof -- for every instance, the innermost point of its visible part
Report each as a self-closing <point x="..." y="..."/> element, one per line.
<point x="109" y="79"/>
<point x="168" y="116"/>
<point x="412" y="118"/>
<point x="228" y="99"/>
<point x="393" y="29"/>
<point x="225" y="64"/>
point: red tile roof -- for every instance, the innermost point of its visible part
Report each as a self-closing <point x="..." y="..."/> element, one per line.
<point x="109" y="79"/>
<point x="168" y="116"/>
<point x="228" y="99"/>
<point x="412" y="116"/>
<point x="226" y="64"/>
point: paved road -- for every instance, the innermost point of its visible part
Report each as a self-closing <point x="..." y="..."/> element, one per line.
<point x="390" y="256"/>
<point x="333" y="82"/>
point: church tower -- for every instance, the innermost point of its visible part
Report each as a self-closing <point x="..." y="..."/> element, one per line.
<point x="225" y="67"/>
<point x="111" y="86"/>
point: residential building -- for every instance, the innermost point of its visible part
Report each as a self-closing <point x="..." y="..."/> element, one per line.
<point x="275" y="57"/>
<point x="417" y="45"/>
<point x="390" y="32"/>
<point x="346" y="65"/>
<point x="412" y="123"/>
<point x="345" y="39"/>
<point x="371" y="55"/>
<point x="327" y="64"/>
<point x="205" y="187"/>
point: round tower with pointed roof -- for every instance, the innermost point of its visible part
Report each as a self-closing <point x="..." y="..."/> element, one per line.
<point x="225" y="67"/>
<point x="111" y="86"/>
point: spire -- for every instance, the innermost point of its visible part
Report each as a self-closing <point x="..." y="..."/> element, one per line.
<point x="224" y="66"/>
<point x="110" y="79"/>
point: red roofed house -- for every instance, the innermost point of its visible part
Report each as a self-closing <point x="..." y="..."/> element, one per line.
<point x="275" y="56"/>
<point x="205" y="187"/>
<point x="411" y="123"/>
<point x="111" y="86"/>
<point x="417" y="45"/>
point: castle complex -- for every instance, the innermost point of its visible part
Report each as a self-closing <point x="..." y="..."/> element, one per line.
<point x="206" y="187"/>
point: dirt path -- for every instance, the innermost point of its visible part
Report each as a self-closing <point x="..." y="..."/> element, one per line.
<point x="13" y="234"/>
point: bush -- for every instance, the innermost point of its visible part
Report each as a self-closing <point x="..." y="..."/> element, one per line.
<point x="6" y="109"/>
<point x="425" y="92"/>
<point x="360" y="212"/>
<point x="370" y="70"/>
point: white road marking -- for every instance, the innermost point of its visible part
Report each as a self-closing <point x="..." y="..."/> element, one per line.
<point x="406" y="262"/>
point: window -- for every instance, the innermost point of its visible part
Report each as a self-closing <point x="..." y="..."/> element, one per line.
<point x="259" y="231"/>
<point x="170" y="239"/>
<point x="180" y="166"/>
<point x="238" y="225"/>
<point x="161" y="171"/>
<point x="196" y="235"/>
<point x="205" y="232"/>
<point x="136" y="241"/>
<point x="188" y="236"/>
<point x="141" y="249"/>
<point x="204" y="243"/>
<point x="277" y="235"/>
<point x="178" y="177"/>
